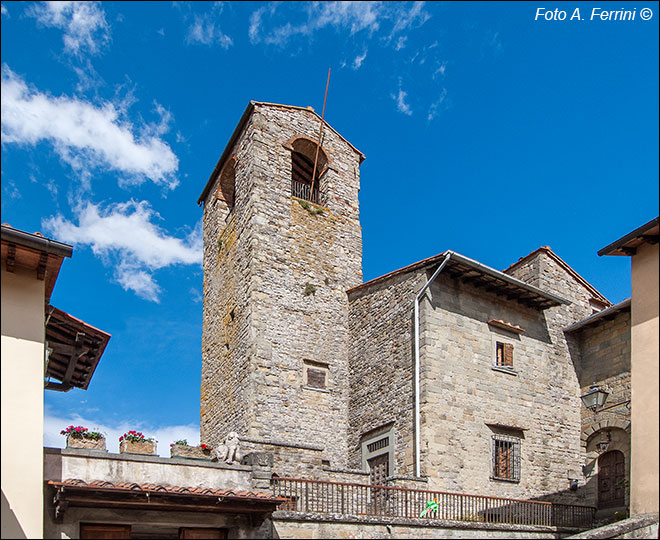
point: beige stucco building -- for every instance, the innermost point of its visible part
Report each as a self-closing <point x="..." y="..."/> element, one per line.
<point x="642" y="246"/>
<point x="35" y="345"/>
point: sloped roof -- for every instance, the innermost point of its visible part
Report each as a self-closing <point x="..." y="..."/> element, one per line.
<point x="627" y="245"/>
<point x="166" y="488"/>
<point x="603" y="315"/>
<point x="563" y="264"/>
<point x="34" y="252"/>
<point x="75" y="350"/>
<point x="479" y="275"/>
<point x="238" y="130"/>
<point x="159" y="497"/>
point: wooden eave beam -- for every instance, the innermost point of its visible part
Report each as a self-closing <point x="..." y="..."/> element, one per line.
<point x="41" y="268"/>
<point x="11" y="257"/>
<point x="651" y="238"/>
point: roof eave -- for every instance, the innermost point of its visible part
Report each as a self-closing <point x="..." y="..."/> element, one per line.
<point x="619" y="246"/>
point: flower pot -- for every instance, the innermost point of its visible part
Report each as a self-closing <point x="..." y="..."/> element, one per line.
<point x="143" y="447"/>
<point x="190" y="452"/>
<point x="80" y="441"/>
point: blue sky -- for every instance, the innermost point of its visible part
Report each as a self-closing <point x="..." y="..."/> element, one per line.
<point x="486" y="131"/>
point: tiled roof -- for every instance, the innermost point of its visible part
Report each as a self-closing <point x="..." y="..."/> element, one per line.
<point x="546" y="249"/>
<point x="167" y="489"/>
<point x="506" y="325"/>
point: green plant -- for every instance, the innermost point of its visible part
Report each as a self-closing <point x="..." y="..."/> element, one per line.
<point x="313" y="210"/>
<point x="309" y="289"/>
<point x="182" y="442"/>
<point x="82" y="432"/>
<point x="136" y="436"/>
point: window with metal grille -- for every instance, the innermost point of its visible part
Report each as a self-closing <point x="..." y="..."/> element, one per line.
<point x="504" y="354"/>
<point x="381" y="443"/>
<point x="506" y="458"/>
<point x="305" y="180"/>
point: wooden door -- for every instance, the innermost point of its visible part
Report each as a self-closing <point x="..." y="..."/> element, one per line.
<point x="611" y="479"/>
<point x="96" y="530"/>
<point x="379" y="469"/>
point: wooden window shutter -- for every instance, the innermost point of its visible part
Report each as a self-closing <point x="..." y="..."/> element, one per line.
<point x="503" y="463"/>
<point x="508" y="355"/>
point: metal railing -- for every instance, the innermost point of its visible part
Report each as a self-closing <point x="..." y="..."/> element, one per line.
<point x="360" y="499"/>
<point x="304" y="191"/>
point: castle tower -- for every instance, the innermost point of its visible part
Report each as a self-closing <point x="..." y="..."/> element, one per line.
<point x="279" y="256"/>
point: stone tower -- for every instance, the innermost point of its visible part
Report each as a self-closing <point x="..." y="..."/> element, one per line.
<point x="279" y="256"/>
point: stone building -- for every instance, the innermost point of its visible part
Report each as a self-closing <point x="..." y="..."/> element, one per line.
<point x="445" y="375"/>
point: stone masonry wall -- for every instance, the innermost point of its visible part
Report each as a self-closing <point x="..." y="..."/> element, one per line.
<point x="226" y="335"/>
<point x="284" y="273"/>
<point x="605" y="362"/>
<point x="381" y="377"/>
<point x="462" y="393"/>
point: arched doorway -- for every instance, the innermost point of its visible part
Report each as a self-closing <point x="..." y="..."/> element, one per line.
<point x="611" y="479"/>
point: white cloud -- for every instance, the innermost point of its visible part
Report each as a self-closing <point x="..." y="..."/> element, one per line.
<point x="83" y="23"/>
<point x="206" y="31"/>
<point x="358" y="60"/>
<point x="441" y="101"/>
<point x="3" y="9"/>
<point x="84" y="135"/>
<point x="401" y="104"/>
<point x="353" y="16"/>
<point x="165" y="435"/>
<point x="401" y="42"/>
<point x="414" y="17"/>
<point x="125" y="235"/>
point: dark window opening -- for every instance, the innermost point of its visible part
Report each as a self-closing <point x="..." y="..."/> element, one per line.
<point x="303" y="156"/>
<point x="315" y="374"/>
<point x="225" y="192"/>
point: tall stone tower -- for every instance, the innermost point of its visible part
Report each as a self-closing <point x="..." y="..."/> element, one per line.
<point x="279" y="255"/>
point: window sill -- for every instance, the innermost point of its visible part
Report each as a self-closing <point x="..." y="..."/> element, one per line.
<point x="502" y="369"/>
<point x="316" y="389"/>
<point x="509" y="480"/>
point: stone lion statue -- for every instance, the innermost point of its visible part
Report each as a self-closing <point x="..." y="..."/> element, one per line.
<point x="229" y="451"/>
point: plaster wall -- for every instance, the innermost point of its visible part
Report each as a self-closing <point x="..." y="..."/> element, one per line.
<point x="644" y="313"/>
<point x="91" y="465"/>
<point x="22" y="381"/>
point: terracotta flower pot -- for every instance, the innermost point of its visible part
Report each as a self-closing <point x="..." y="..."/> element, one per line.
<point x="80" y="441"/>
<point x="143" y="447"/>
<point x="190" y="452"/>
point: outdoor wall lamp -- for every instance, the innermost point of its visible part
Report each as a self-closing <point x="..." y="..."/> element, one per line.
<point x="594" y="398"/>
<point x="604" y="443"/>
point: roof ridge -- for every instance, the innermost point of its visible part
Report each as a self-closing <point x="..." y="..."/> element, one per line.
<point x="567" y="267"/>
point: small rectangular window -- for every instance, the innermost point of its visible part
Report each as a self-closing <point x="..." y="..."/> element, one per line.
<point x="506" y="458"/>
<point x="504" y="354"/>
<point x="315" y="375"/>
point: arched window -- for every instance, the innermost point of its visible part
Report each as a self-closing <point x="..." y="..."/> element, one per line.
<point x="224" y="193"/>
<point x="303" y="154"/>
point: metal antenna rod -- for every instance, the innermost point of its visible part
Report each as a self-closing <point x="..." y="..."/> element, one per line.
<point x="318" y="145"/>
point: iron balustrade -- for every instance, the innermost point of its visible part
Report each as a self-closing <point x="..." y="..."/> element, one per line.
<point x="303" y="191"/>
<point x="316" y="496"/>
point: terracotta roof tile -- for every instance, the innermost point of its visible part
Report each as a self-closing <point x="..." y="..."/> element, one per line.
<point x="163" y="488"/>
<point x="506" y="325"/>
